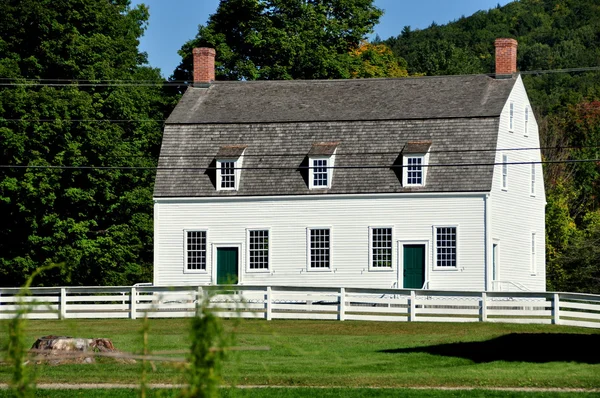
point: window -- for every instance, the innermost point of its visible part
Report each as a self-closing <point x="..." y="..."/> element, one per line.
<point x="258" y="249"/>
<point x="504" y="172"/>
<point x="321" y="161"/>
<point x="511" y="117"/>
<point x="414" y="170"/>
<point x="319" y="249"/>
<point x="415" y="158"/>
<point x="195" y="249"/>
<point x="533" y="179"/>
<point x="320" y="173"/>
<point x="227" y="174"/>
<point x="533" y="262"/>
<point x="381" y="248"/>
<point x="526" y="130"/>
<point x="229" y="165"/>
<point x="445" y="246"/>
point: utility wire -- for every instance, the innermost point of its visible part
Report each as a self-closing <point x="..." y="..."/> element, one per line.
<point x="361" y="167"/>
<point x="5" y="81"/>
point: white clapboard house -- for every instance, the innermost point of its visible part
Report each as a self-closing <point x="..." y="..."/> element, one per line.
<point x="427" y="182"/>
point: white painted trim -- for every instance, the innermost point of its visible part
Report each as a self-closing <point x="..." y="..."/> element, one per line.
<point x="401" y="244"/>
<point x="214" y="247"/>
<point x="331" y="245"/>
<point x="435" y="267"/>
<point x="185" y="265"/>
<point x="370" y="258"/>
<point x="424" y="168"/>
<point x="488" y="243"/>
<point x="247" y="262"/>
<point x="496" y="242"/>
<point x="526" y="121"/>
<point x="329" y="168"/>
<point x="321" y="197"/>
<point x="156" y="239"/>
<point x="533" y="251"/>
<point x="504" y="164"/>
<point x="511" y="117"/>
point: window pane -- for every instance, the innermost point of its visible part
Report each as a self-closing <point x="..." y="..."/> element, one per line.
<point x="259" y="249"/>
<point x="381" y="243"/>
<point x="446" y="246"/>
<point x="227" y="174"/>
<point x="320" y="177"/>
<point x="319" y="248"/>
<point x="414" y="172"/>
<point x="196" y="250"/>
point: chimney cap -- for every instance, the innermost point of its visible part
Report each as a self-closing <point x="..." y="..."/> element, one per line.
<point x="506" y="42"/>
<point x="204" y="51"/>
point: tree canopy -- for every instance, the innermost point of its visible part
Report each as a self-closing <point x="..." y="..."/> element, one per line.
<point x="290" y="39"/>
<point x="65" y="124"/>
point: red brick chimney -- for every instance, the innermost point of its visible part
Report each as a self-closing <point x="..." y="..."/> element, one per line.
<point x="204" y="66"/>
<point x="506" y="57"/>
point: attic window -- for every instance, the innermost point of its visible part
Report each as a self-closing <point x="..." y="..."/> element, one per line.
<point x="321" y="160"/>
<point x="229" y="164"/>
<point x="415" y="158"/>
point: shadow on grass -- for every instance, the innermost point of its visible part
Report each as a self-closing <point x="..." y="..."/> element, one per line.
<point x="520" y="347"/>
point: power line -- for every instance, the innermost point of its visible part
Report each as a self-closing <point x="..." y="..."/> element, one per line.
<point x="296" y="168"/>
<point x="5" y="81"/>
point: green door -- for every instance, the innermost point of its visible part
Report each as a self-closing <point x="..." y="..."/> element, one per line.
<point x="227" y="265"/>
<point x="414" y="266"/>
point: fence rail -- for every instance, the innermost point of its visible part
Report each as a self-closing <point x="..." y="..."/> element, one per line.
<point x="284" y="302"/>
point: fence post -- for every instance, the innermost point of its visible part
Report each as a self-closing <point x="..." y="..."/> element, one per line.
<point x="413" y="307"/>
<point x="342" y="304"/>
<point x="483" y="307"/>
<point x="269" y="304"/>
<point x="63" y="303"/>
<point x="132" y="304"/>
<point x="556" y="309"/>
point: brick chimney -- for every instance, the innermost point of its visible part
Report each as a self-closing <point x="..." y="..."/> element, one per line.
<point x="506" y="57"/>
<point x="204" y="66"/>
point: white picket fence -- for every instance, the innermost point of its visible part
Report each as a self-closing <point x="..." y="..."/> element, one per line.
<point x="279" y="302"/>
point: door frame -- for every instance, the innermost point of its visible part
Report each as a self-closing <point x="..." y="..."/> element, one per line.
<point x="214" y="248"/>
<point x="401" y="244"/>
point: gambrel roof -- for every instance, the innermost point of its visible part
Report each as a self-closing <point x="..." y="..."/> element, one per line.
<point x="370" y="121"/>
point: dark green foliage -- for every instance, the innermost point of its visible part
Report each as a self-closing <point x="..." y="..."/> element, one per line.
<point x="97" y="221"/>
<point x="283" y="39"/>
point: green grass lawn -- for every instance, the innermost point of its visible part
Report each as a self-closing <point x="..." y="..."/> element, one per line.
<point x="348" y="354"/>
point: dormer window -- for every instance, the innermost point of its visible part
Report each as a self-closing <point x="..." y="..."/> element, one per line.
<point x="415" y="158"/>
<point x="321" y="159"/>
<point x="229" y="166"/>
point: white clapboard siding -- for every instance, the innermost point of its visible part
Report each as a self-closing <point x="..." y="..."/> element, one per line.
<point x="515" y="213"/>
<point x="411" y="216"/>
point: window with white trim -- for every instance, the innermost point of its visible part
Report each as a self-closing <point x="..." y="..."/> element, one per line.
<point x="504" y="172"/>
<point x="533" y="254"/>
<point x="445" y="247"/>
<point x="381" y="248"/>
<point x="414" y="170"/>
<point x="526" y="129"/>
<point x="195" y="250"/>
<point x="227" y="174"/>
<point x="511" y="118"/>
<point x="532" y="179"/>
<point x="258" y="249"/>
<point x="320" y="253"/>
<point x="320" y="173"/>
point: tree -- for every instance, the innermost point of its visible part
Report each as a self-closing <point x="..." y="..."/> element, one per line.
<point x="283" y="39"/>
<point x="376" y="60"/>
<point x="96" y="221"/>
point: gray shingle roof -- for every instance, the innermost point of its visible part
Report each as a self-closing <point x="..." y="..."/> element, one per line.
<point x="372" y="120"/>
<point x="336" y="100"/>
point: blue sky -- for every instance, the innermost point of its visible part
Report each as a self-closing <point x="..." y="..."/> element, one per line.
<point x="173" y="22"/>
